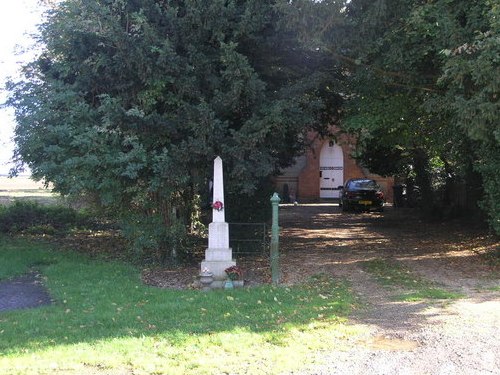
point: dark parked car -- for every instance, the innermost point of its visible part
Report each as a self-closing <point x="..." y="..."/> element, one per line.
<point x="361" y="194"/>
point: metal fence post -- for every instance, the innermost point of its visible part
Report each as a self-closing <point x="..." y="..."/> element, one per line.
<point x="275" y="267"/>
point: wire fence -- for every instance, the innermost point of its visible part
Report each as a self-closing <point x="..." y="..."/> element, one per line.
<point x="249" y="238"/>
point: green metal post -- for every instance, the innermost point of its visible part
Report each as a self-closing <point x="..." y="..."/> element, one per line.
<point x="275" y="267"/>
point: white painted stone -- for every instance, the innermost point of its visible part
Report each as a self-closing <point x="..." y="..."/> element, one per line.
<point x="218" y="255"/>
<point x="218" y="190"/>
<point x="218" y="235"/>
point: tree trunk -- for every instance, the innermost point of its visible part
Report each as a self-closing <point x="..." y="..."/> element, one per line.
<point x="423" y="179"/>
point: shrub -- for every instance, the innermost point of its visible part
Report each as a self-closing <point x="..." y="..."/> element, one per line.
<point x="33" y="217"/>
<point x="151" y="240"/>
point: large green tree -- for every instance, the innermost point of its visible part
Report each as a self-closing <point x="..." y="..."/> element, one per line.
<point x="426" y="83"/>
<point x="471" y="80"/>
<point x="131" y="100"/>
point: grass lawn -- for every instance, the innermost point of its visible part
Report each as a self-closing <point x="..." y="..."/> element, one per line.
<point x="104" y="319"/>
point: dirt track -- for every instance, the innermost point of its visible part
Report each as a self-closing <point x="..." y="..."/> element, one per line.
<point x="429" y="337"/>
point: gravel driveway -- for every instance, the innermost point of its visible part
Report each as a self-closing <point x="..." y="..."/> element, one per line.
<point x="430" y="337"/>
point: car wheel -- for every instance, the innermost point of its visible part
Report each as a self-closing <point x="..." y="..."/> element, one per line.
<point x="345" y="207"/>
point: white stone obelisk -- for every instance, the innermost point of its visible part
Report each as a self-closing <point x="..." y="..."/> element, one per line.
<point x="219" y="255"/>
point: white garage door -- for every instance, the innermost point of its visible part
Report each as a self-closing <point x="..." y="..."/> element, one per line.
<point x="331" y="170"/>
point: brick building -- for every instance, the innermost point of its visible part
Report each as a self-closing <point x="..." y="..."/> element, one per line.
<point x="318" y="174"/>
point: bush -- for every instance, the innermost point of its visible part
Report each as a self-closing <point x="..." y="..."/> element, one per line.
<point x="34" y="218"/>
<point x="152" y="240"/>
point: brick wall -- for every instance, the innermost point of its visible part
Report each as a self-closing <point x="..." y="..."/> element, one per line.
<point x="308" y="178"/>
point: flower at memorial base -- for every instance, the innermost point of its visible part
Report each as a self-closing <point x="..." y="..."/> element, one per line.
<point x="218" y="205"/>
<point x="233" y="273"/>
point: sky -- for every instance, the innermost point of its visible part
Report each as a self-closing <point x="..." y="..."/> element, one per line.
<point x="18" y="19"/>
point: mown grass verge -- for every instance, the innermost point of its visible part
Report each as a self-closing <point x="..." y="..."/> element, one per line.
<point x="392" y="274"/>
<point x="103" y="317"/>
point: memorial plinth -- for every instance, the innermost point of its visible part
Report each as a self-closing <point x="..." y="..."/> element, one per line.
<point x="218" y="255"/>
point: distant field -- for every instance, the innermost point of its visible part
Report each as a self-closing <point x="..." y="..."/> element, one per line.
<point x="19" y="183"/>
<point x="23" y="187"/>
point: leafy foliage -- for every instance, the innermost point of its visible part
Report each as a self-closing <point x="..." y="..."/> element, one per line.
<point x="471" y="75"/>
<point x="425" y="84"/>
<point x="132" y="100"/>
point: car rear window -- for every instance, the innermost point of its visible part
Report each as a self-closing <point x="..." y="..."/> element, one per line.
<point x="363" y="184"/>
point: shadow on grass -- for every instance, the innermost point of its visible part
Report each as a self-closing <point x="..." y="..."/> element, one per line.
<point x="97" y="300"/>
